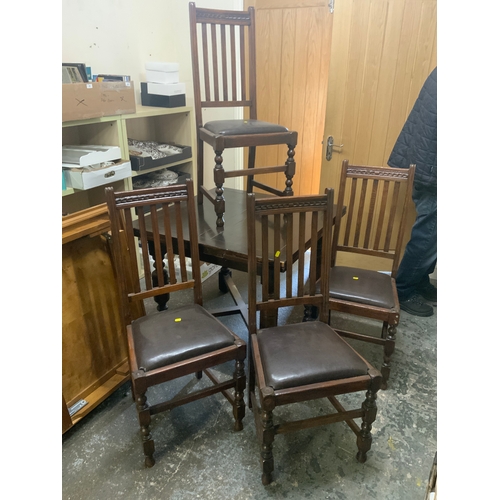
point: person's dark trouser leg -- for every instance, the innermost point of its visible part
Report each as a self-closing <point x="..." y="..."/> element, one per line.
<point x="420" y="256"/>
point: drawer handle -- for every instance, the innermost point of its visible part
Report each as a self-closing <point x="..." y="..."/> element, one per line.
<point x="109" y="174"/>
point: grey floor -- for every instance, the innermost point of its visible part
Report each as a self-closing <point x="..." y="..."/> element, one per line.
<point x="199" y="456"/>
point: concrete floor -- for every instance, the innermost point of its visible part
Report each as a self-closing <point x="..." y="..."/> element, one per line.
<point x="199" y="456"/>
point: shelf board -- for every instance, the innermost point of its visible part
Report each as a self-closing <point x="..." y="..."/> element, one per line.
<point x="145" y="111"/>
<point x="135" y="173"/>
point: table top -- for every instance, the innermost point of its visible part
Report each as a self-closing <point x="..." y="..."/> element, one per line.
<point x="226" y="246"/>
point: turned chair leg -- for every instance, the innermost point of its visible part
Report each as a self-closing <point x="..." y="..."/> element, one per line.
<point x="145" y="421"/>
<point x="219" y="203"/>
<point x="364" y="440"/>
<point x="266" y="450"/>
<point x="290" y="171"/>
<point x="389" y="347"/>
<point x="239" y="395"/>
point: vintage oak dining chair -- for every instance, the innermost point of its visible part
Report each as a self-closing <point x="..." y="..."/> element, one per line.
<point x="377" y="201"/>
<point x="172" y="343"/>
<point x="224" y="76"/>
<point x="304" y="361"/>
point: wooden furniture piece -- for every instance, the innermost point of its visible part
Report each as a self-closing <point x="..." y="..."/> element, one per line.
<point x="148" y="123"/>
<point x="228" y="246"/>
<point x="224" y="75"/>
<point x="94" y="354"/>
<point x="304" y="361"/>
<point x="170" y="344"/>
<point x="377" y="200"/>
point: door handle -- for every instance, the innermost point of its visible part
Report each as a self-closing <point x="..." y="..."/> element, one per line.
<point x="330" y="148"/>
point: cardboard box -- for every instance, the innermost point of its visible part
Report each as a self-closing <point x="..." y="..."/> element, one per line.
<point x="162" y="66"/>
<point x="78" y="178"/>
<point x="162" y="101"/>
<point x="117" y="98"/>
<point x="81" y="101"/>
<point x="162" y="76"/>
<point x="165" y="88"/>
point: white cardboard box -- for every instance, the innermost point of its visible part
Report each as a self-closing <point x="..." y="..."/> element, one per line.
<point x="162" y="66"/>
<point x="78" y="178"/>
<point x="162" y="76"/>
<point x="166" y="88"/>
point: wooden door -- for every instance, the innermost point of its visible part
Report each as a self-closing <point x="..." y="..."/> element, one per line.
<point x="293" y="39"/>
<point x="382" y="52"/>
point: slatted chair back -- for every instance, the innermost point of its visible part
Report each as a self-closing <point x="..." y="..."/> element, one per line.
<point x="376" y="201"/>
<point x="223" y="52"/>
<point x="278" y="223"/>
<point x="157" y="214"/>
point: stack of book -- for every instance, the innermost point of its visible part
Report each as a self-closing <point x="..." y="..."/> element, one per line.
<point x="162" y="87"/>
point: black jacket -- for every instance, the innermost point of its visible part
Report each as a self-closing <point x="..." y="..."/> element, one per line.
<point x="417" y="142"/>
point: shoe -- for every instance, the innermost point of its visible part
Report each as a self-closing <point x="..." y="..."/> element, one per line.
<point x="415" y="306"/>
<point x="429" y="292"/>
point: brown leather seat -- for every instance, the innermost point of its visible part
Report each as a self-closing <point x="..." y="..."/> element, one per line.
<point x="172" y="336"/>
<point x="362" y="286"/>
<point x="306" y="353"/>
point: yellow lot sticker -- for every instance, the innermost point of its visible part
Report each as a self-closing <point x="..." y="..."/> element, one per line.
<point x="177" y="320"/>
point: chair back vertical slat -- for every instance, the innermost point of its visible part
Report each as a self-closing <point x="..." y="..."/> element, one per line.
<point x="301" y="259"/>
<point x="127" y="218"/>
<point x="158" y="256"/>
<point x="361" y="210"/>
<point x="215" y="61"/>
<point x="350" y="212"/>
<point x="392" y="217"/>
<point x="380" y="222"/>
<point x="243" y="65"/>
<point x="252" y="65"/>
<point x="234" y="95"/>
<point x="167" y="231"/>
<point x="180" y="242"/>
<point x="371" y="213"/>
<point x="145" y="249"/>
<point x="224" y="62"/>
<point x="206" y="63"/>
<point x="277" y="255"/>
<point x="265" y="251"/>
<point x="252" y="268"/>
<point x="289" y="252"/>
<point x="313" y="267"/>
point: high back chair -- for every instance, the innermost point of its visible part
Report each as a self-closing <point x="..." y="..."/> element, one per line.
<point x="377" y="201"/>
<point x="299" y="362"/>
<point x="224" y="75"/>
<point x="172" y="343"/>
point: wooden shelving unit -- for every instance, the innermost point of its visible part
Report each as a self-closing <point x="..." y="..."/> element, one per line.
<point x="93" y="335"/>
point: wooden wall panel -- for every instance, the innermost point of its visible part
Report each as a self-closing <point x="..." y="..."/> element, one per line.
<point x="293" y="47"/>
<point x="382" y="51"/>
